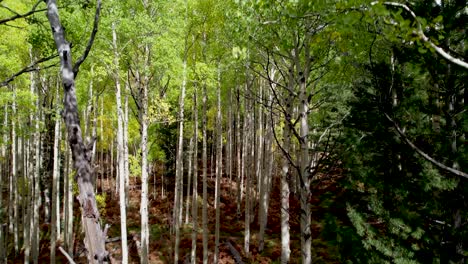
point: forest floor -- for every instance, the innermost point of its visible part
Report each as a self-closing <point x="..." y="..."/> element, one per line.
<point x="231" y="229"/>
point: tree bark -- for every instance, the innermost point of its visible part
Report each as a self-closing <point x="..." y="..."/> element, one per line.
<point x="180" y="162"/>
<point x="219" y="159"/>
<point x="195" y="180"/>
<point x="144" y="163"/>
<point x="94" y="236"/>
<point x="120" y="149"/>
<point x="205" y="194"/>
<point x="55" y="182"/>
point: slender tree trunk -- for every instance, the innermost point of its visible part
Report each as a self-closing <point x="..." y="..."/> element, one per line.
<point x="13" y="180"/>
<point x="229" y="143"/>
<point x="37" y="195"/>
<point x="55" y="182"/>
<point x="120" y="150"/>
<point x="248" y="160"/>
<point x="305" y="161"/>
<point x="205" y="195"/>
<point x="2" y="171"/>
<point x="71" y="240"/>
<point x="125" y="144"/>
<point x="189" y="175"/>
<point x="30" y="186"/>
<point x="180" y="162"/>
<point x="144" y="163"/>
<point x="195" y="180"/>
<point x="219" y="159"/>
<point x="263" y="201"/>
<point x="238" y="153"/>
<point x="285" y="236"/>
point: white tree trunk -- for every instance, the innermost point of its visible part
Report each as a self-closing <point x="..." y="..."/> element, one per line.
<point x="14" y="178"/>
<point x="120" y="150"/>
<point x="55" y="223"/>
<point x="180" y="163"/>
<point x="37" y="194"/>
<point x="125" y="144"/>
<point x="205" y="195"/>
<point x="195" y="180"/>
<point x="219" y="159"/>
<point x="285" y="236"/>
<point x="68" y="204"/>
<point x="238" y="153"/>
<point x="189" y="180"/>
<point x="248" y="161"/>
<point x="144" y="164"/>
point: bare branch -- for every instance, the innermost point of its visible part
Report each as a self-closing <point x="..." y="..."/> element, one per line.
<point x="17" y="16"/>
<point x="424" y="38"/>
<point x="78" y="63"/>
<point x="31" y="67"/>
<point x="67" y="256"/>
<point x="422" y="153"/>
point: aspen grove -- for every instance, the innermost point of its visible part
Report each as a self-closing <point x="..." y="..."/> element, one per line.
<point x="238" y="131"/>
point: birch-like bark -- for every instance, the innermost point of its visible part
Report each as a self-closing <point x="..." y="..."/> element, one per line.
<point x="125" y="144"/>
<point x="120" y="149"/>
<point x="144" y="162"/>
<point x="264" y="184"/>
<point x="55" y="182"/>
<point x="14" y="178"/>
<point x="229" y="143"/>
<point x="247" y="161"/>
<point x="180" y="161"/>
<point x="285" y="236"/>
<point x="189" y="180"/>
<point x="2" y="171"/>
<point x="71" y="235"/>
<point x="239" y="171"/>
<point x="205" y="194"/>
<point x="219" y="159"/>
<point x="37" y="194"/>
<point x="195" y="180"/>
<point x="94" y="236"/>
<point x="30" y="179"/>
<point x="305" y="160"/>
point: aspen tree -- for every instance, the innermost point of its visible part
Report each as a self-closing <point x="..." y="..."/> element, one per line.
<point x="178" y="197"/>
<point x="239" y="182"/>
<point x="204" y="161"/>
<point x="55" y="222"/>
<point x="189" y="180"/>
<point x="205" y="194"/>
<point x="219" y="159"/>
<point x="195" y="180"/>
<point x="37" y="194"/>
<point x="13" y="204"/>
<point x="248" y="161"/>
<point x="120" y="150"/>
<point x="94" y="235"/>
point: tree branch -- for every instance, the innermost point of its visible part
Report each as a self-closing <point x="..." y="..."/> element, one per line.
<point x="422" y="153"/>
<point x="424" y="38"/>
<point x="67" y="256"/>
<point x="33" y="10"/>
<point x="76" y="67"/>
<point x="31" y="67"/>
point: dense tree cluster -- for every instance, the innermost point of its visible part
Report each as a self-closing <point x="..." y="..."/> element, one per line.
<point x="341" y="122"/>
